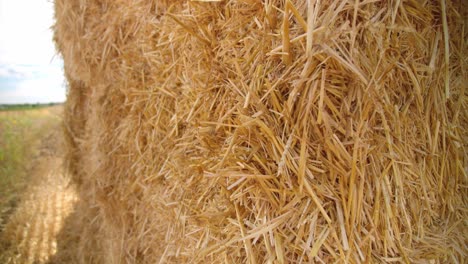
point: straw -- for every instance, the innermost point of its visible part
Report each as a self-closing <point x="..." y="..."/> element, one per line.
<point x="267" y="131"/>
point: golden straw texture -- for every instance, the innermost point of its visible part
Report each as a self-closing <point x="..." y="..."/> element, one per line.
<point x="274" y="131"/>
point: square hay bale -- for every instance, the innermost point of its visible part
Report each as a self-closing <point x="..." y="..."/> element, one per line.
<point x="274" y="131"/>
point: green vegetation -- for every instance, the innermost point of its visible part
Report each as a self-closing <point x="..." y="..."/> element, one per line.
<point x="9" y="107"/>
<point x="21" y="132"/>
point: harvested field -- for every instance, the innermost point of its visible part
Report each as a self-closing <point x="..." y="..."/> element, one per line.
<point x="21" y="135"/>
<point x="31" y="233"/>
<point x="267" y="131"/>
<point x="39" y="193"/>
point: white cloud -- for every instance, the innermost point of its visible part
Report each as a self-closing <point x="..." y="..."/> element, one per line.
<point x="30" y="71"/>
<point x="25" y="30"/>
<point x="7" y="72"/>
<point x="38" y="90"/>
<point x="12" y="71"/>
<point x="32" y="83"/>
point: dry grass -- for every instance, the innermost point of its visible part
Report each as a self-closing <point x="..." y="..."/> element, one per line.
<point x="268" y="131"/>
<point x="38" y="187"/>
<point x="21" y="133"/>
<point x="31" y="234"/>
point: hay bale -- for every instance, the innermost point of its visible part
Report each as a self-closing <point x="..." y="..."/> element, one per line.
<point x="268" y="131"/>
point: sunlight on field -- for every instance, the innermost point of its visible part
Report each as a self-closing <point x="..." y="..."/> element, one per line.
<point x="20" y="134"/>
<point x="35" y="193"/>
<point x="33" y="229"/>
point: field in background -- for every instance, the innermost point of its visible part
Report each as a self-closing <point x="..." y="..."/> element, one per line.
<point x="36" y="194"/>
<point x="21" y="131"/>
<point x="15" y="107"/>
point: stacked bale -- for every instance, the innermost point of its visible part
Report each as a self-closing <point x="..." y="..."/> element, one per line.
<point x="275" y="131"/>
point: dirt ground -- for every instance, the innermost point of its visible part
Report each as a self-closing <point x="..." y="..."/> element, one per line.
<point x="32" y="230"/>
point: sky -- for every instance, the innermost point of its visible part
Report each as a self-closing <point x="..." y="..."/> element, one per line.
<point x="30" y="69"/>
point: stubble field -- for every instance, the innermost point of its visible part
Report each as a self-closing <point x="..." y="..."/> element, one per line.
<point x="36" y="195"/>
